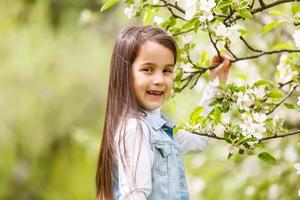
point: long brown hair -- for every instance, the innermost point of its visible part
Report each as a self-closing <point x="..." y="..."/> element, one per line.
<point x="121" y="98"/>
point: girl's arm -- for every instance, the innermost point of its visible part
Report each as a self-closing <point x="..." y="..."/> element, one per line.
<point x="134" y="166"/>
<point x="190" y="142"/>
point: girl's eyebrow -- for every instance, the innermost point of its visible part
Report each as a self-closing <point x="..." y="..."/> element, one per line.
<point x="149" y="63"/>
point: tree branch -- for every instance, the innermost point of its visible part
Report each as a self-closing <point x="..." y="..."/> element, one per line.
<point x="214" y="44"/>
<point x="283" y="100"/>
<point x="296" y="132"/>
<point x="174" y="6"/>
<point x="267" y="6"/>
<point x="249" y="47"/>
<point x="280" y="136"/>
<point x="267" y="53"/>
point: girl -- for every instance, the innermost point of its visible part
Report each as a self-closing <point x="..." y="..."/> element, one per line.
<point x="139" y="158"/>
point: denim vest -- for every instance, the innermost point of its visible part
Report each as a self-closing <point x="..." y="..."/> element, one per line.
<point x="168" y="177"/>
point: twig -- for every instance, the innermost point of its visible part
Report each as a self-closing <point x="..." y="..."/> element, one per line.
<point x="229" y="50"/>
<point x="267" y="6"/>
<point x="174" y="6"/>
<point x="281" y="85"/>
<point x="214" y="44"/>
<point x="260" y="140"/>
<point x="262" y="3"/>
<point x="267" y="53"/>
<point x="249" y="47"/>
<point x="282" y="100"/>
<point x="280" y="136"/>
<point x="176" y="16"/>
<point x="183" y="32"/>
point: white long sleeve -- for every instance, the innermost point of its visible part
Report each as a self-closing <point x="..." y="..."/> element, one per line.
<point x="192" y="143"/>
<point x="135" y="179"/>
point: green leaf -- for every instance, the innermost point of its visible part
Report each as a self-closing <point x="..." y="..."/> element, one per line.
<point x="179" y="74"/>
<point x="217" y="114"/>
<point x="197" y="113"/>
<point x="259" y="145"/>
<point x="189" y="24"/>
<point x="276" y="12"/>
<point x="241" y="151"/>
<point x="178" y="127"/>
<point x="290" y="106"/>
<point x="274" y="93"/>
<point x="271" y="26"/>
<point x="108" y="4"/>
<point x="225" y="3"/>
<point x="283" y="46"/>
<point x="225" y="106"/>
<point x="245" y="13"/>
<point x="266" y="157"/>
<point x="148" y="17"/>
<point x="262" y="82"/>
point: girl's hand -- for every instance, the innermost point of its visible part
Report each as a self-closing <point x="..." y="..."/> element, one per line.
<point x="222" y="70"/>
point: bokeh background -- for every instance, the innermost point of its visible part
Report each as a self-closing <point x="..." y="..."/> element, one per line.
<point x="54" y="61"/>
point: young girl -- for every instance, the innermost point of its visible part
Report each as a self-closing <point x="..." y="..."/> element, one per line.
<point x="139" y="158"/>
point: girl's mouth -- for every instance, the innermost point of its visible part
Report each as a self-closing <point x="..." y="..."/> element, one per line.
<point x="155" y="92"/>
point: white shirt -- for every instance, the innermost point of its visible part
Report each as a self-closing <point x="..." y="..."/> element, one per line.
<point x="135" y="179"/>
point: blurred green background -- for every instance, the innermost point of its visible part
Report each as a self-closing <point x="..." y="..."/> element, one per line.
<point x="54" y="60"/>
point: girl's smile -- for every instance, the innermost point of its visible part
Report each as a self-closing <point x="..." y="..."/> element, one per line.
<point x="153" y="74"/>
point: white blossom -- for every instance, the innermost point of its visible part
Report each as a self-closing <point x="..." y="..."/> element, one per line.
<point x="221" y="30"/>
<point x="297" y="167"/>
<point x="206" y="16"/>
<point x="259" y="117"/>
<point x="243" y="101"/>
<point x="221" y="44"/>
<point x="290" y="154"/>
<point x="227" y="32"/>
<point x="273" y="192"/>
<point x="259" y="129"/>
<point x="226" y="119"/>
<point x="155" y="2"/>
<point x="232" y="148"/>
<point x="190" y="13"/>
<point x="187" y="38"/>
<point x="158" y="20"/>
<point x="298" y="102"/>
<point x="86" y="16"/>
<point x="233" y="32"/>
<point x="186" y="4"/>
<point x="296" y="37"/>
<point x="187" y="67"/>
<point x="207" y="5"/>
<point x="259" y="92"/>
<point x="250" y="128"/>
<point x="129" y="11"/>
<point x="250" y="190"/>
<point x="285" y="72"/>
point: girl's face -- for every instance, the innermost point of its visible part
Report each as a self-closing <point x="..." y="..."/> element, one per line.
<point x="153" y="74"/>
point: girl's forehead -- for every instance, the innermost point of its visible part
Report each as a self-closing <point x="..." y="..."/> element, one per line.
<point x="154" y="51"/>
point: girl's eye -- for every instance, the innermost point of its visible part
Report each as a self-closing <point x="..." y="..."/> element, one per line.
<point x="168" y="71"/>
<point x="146" y="70"/>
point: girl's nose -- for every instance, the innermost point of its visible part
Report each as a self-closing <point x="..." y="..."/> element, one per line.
<point x="158" y="79"/>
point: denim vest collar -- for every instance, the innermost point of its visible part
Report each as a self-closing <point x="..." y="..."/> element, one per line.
<point x="156" y="119"/>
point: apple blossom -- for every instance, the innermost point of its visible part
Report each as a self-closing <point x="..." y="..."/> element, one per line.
<point x="158" y="20"/>
<point x="129" y="11"/>
<point x="296" y="37"/>
<point x="243" y="101"/>
<point x="297" y="167"/>
<point x="259" y="117"/>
